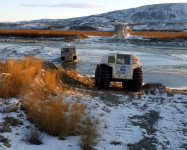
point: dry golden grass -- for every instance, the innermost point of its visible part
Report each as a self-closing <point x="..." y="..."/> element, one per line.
<point x="157" y="34"/>
<point x="84" y="80"/>
<point x="54" y="116"/>
<point x="63" y="33"/>
<point x="51" y="80"/>
<point x="73" y="78"/>
<point x="41" y="92"/>
<point x="48" y="111"/>
<point x="56" y="33"/>
<point x="20" y="74"/>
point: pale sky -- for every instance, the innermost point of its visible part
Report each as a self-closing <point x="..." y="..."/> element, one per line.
<point x="20" y="10"/>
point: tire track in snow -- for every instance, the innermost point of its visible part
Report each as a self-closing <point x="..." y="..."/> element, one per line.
<point x="121" y="130"/>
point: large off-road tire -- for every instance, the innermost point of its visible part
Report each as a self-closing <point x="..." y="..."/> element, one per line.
<point x="134" y="85"/>
<point x="103" y="76"/>
<point x="63" y="58"/>
<point x="126" y="84"/>
<point x="97" y="75"/>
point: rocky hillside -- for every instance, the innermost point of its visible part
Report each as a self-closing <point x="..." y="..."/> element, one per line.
<point x="158" y="17"/>
<point x="160" y="12"/>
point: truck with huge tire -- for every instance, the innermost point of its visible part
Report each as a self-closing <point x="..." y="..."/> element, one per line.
<point x="119" y="67"/>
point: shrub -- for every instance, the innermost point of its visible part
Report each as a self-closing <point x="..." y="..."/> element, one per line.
<point x="54" y="116"/>
<point x="34" y="137"/>
<point x="13" y="121"/>
<point x="89" y="135"/>
<point x="5" y="141"/>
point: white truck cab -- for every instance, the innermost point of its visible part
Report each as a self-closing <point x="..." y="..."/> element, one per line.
<point x="119" y="67"/>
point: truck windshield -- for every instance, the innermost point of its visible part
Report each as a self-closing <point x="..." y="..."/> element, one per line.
<point x="123" y="59"/>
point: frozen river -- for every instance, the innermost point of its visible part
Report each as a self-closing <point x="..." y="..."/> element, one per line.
<point x="160" y="64"/>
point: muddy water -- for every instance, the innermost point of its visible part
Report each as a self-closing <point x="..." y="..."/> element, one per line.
<point x="166" y="65"/>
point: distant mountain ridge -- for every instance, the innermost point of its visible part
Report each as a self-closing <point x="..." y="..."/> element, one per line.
<point x="157" y="12"/>
<point x="159" y="16"/>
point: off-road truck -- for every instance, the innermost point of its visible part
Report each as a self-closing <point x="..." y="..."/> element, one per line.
<point x="119" y="67"/>
<point x="68" y="53"/>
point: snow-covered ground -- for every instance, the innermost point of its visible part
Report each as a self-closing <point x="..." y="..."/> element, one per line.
<point x="154" y="120"/>
<point x="18" y="134"/>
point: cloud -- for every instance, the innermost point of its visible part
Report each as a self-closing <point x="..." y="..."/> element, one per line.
<point x="34" y="5"/>
<point x="65" y="5"/>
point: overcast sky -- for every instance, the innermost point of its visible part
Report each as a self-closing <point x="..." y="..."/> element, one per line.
<point x="19" y="10"/>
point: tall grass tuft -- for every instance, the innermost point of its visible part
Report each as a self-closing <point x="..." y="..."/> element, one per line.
<point x="19" y="76"/>
<point x="54" y="116"/>
<point x="89" y="135"/>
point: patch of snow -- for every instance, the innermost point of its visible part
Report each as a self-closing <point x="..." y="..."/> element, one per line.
<point x="180" y="57"/>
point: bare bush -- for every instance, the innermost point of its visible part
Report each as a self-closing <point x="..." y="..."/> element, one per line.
<point x="89" y="135"/>
<point x="34" y="137"/>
